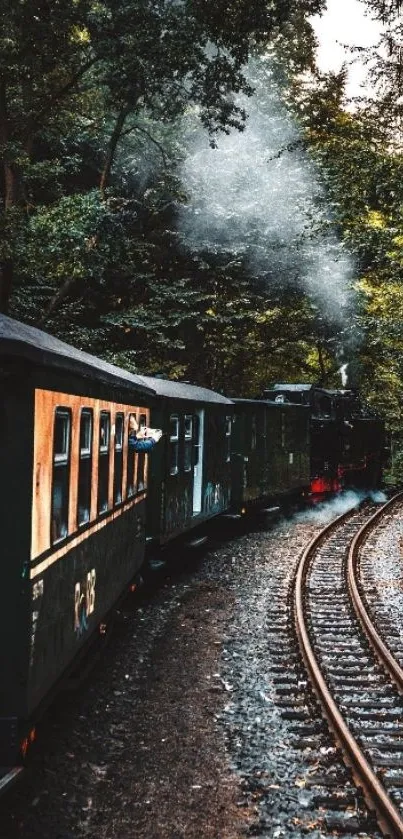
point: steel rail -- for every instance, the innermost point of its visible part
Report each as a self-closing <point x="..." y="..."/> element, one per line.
<point x="383" y="653"/>
<point x="389" y="817"/>
<point x="9" y="777"/>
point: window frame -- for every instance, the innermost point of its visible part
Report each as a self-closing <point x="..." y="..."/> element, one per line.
<point x="131" y="462"/>
<point x="118" y="446"/>
<point x="174" y="445"/>
<point x="62" y="411"/>
<point x="253" y="433"/>
<point x="104" y="452"/>
<point x="228" y="437"/>
<point x="188" y="442"/>
<point x="61" y="460"/>
<point x="141" y="462"/>
<point x="85" y="454"/>
<point x="283" y="430"/>
<point x="197" y="445"/>
<point x="103" y="448"/>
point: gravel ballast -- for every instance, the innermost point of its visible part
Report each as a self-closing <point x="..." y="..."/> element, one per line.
<point x="182" y="730"/>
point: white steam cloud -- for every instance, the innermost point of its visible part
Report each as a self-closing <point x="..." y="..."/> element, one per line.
<point x="344" y="375"/>
<point x="257" y="196"/>
<point x="326" y="511"/>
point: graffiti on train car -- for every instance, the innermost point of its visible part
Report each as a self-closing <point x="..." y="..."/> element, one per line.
<point x="84" y="602"/>
<point x="178" y="510"/>
<point x="215" y="498"/>
<point x="37" y="594"/>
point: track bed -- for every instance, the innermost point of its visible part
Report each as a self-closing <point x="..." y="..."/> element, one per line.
<point x="199" y="721"/>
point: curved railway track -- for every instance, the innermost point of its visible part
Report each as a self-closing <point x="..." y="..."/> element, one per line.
<point x="356" y="676"/>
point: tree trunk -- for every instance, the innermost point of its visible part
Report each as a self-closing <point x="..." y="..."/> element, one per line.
<point x="57" y="298"/>
<point x="322" y="367"/>
<point x="10" y="182"/>
<point x="6" y="261"/>
<point x="6" y="284"/>
<point x="11" y="194"/>
<point x="113" y="142"/>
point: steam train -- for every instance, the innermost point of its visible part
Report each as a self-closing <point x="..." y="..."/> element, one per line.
<point x="346" y="437"/>
<point x="81" y="512"/>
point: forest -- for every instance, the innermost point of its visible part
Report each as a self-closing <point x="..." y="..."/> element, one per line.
<point x="184" y="193"/>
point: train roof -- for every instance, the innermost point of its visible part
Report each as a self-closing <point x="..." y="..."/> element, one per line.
<point x="288" y="386"/>
<point x="300" y="388"/>
<point x="269" y="402"/>
<point x="21" y="341"/>
<point x="185" y="390"/>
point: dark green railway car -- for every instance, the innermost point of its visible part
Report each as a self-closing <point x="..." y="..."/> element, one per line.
<point x="270" y="452"/>
<point x="72" y="514"/>
<point x="191" y="466"/>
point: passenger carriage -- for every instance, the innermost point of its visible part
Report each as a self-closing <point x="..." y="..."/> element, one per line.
<point x="271" y="452"/>
<point x="72" y="514"/>
<point x="191" y="466"/>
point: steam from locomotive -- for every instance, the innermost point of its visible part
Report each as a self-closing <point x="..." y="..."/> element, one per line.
<point x="257" y="196"/>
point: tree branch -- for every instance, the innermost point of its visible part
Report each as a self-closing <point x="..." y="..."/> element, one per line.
<point x="57" y="298"/>
<point x="150" y="137"/>
<point x="113" y="142"/>
<point x="62" y="92"/>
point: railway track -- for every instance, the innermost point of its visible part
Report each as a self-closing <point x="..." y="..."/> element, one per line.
<point x="350" y="661"/>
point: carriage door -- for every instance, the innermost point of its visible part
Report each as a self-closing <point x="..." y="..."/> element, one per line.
<point x="198" y="461"/>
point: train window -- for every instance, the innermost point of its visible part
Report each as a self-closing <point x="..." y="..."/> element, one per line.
<point x="228" y="429"/>
<point x="283" y="430"/>
<point x="84" y="468"/>
<point x="119" y="432"/>
<point x="141" y="460"/>
<point x="61" y="474"/>
<point x="196" y="447"/>
<point x="61" y="435"/>
<point x="253" y="433"/>
<point x="324" y="405"/>
<point x="131" y="489"/>
<point x="104" y="431"/>
<point x="188" y="443"/>
<point x="118" y="460"/>
<point x="103" y="460"/>
<point x="173" y="445"/>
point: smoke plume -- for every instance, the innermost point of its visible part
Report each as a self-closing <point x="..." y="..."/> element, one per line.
<point x="326" y="511"/>
<point x="257" y="196"/>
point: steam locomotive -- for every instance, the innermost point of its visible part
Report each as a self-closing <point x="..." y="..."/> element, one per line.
<point x="81" y="512"/>
<point x="346" y="437"/>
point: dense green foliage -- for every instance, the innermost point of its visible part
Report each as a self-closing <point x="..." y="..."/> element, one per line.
<point x="88" y="92"/>
<point x="359" y="152"/>
<point x="77" y="76"/>
<point x="99" y="105"/>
